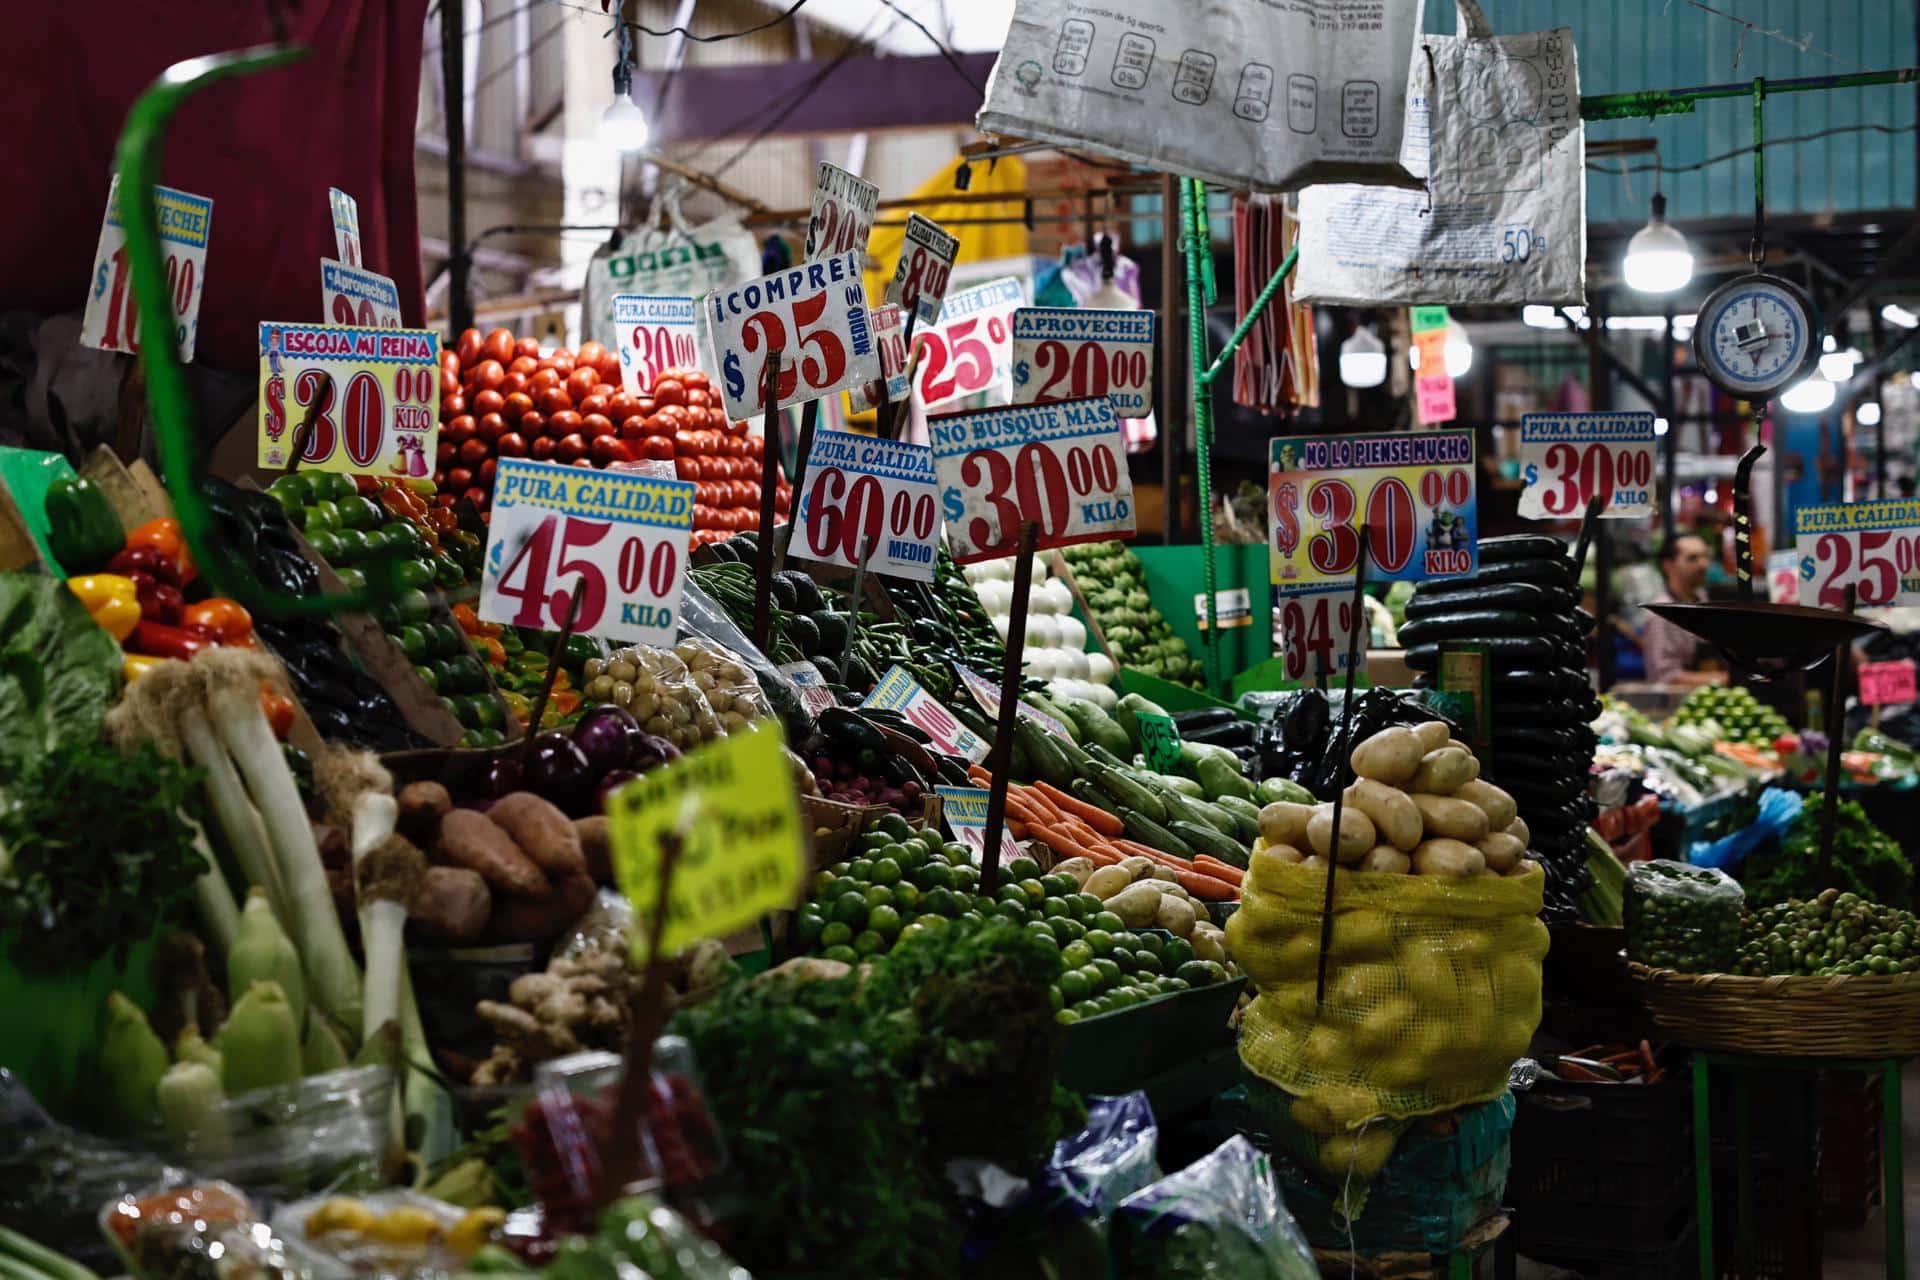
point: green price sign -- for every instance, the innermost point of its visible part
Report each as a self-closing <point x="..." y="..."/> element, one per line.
<point x="1159" y="742"/>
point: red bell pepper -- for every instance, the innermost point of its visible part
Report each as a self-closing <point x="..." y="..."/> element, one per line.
<point x="159" y="601"/>
<point x="158" y="640"/>
<point x="148" y="560"/>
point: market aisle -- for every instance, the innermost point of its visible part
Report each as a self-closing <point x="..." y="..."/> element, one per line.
<point x="1860" y="1254"/>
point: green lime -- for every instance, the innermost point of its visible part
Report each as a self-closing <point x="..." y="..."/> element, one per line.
<point x="325" y="544"/>
<point x="1096" y="981"/>
<point x="1150" y="941"/>
<point x="320" y="515"/>
<point x="807" y="927"/>
<point x="911" y="856"/>
<point x="836" y="934"/>
<point x="886" y="871"/>
<point x="1014" y="911"/>
<point x="1175" y="952"/>
<point x="1084" y="906"/>
<point x="878" y="895"/>
<point x="295" y="490"/>
<point x="907" y="896"/>
<point x="966" y="876"/>
<point x="357" y="512"/>
<point x="1145" y="961"/>
<point x="1035" y="891"/>
<point x="1100" y="941"/>
<point x="335" y="485"/>
<point x="869" y="943"/>
<point x="413" y="643"/>
<point x="1075" y="954"/>
<point x="415" y="573"/>
<point x="936" y="875"/>
<point x="841" y="869"/>
<point x="1039" y="929"/>
<point x="873" y="841"/>
<point x="955" y="852"/>
<point x="1011" y="893"/>
<point x="884" y="921"/>
<point x="412" y="606"/>
<point x="446" y="639"/>
<point x="844" y="954"/>
<point x="972" y="917"/>
<point x="1109" y="971"/>
<point x="861" y="869"/>
<point x="1073" y="928"/>
<point x="850" y="910"/>
<point x="1073" y="985"/>
<point x="1059" y="884"/>
<point x="823" y="882"/>
<point x="1066" y="1017"/>
<point x="429" y="677"/>
<point x="931" y="921"/>
<point x="1108" y="921"/>
<point x="938" y="902"/>
<point x="1057" y="1000"/>
<point x="1054" y="909"/>
<point x="350" y="545"/>
<point x="1023" y="868"/>
<point x="911" y="931"/>
<point x="350" y="578"/>
<point x="895" y="826"/>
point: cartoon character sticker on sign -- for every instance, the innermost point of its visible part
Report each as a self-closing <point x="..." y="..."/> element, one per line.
<point x="1873" y="547"/>
<point x="655" y="334"/>
<point x="373" y="396"/>
<point x="617" y="539"/>
<point x="815" y="316"/>
<point x="111" y="322"/>
<point x="1062" y="466"/>
<point x="351" y="295"/>
<point x="871" y="496"/>
<point x="919" y="282"/>
<point x="1569" y="459"/>
<point x="970" y="351"/>
<point x="1413" y="490"/>
<point x="1068" y="353"/>
<point x="843" y="209"/>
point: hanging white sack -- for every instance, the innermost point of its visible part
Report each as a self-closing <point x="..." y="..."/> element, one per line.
<point x="671" y="261"/>
<point x="1243" y="93"/>
<point x="1505" y="221"/>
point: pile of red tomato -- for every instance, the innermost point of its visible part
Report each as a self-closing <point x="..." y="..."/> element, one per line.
<point x="501" y="398"/>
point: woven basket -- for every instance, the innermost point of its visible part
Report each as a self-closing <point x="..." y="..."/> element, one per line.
<point x="1858" y="1016"/>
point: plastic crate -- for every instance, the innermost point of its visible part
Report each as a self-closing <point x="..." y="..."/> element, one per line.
<point x="1678" y="1259"/>
<point x="1848" y="1105"/>
<point x="1119" y="1052"/>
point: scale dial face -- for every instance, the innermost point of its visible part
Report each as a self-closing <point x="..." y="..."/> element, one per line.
<point x="1755" y="335"/>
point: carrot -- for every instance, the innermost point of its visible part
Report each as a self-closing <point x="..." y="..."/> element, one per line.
<point x="1018" y="828"/>
<point x="1068" y="845"/>
<point x="1206" y="888"/>
<point x="979" y="775"/>
<point x="1094" y="816"/>
<point x="1148" y="851"/>
<point x="1024" y="809"/>
<point x="1218" y="870"/>
<point x="1041" y="801"/>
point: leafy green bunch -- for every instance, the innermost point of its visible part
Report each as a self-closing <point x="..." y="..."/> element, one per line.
<point x="1866" y="860"/>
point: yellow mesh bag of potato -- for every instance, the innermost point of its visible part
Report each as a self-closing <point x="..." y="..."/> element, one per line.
<point x="1433" y="991"/>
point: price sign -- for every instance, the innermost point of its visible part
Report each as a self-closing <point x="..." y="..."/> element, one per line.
<point x="1434" y="400"/>
<point x="898" y="691"/>
<point x="1316" y="631"/>
<point x="1233" y="608"/>
<point x="743" y="851"/>
<point x="375" y="412"/>
<point x="1413" y="490"/>
<point x="1886" y="684"/>
<point x="970" y="350"/>
<point x="619" y="540"/>
<point x="814" y="694"/>
<point x="1873" y="547"/>
<point x="877" y="492"/>
<point x="988" y="696"/>
<point x="1062" y="466"/>
<point x="926" y="262"/>
<point x="655" y="334"/>
<point x="1433" y="388"/>
<point x="1066" y="353"/>
<point x="1783" y="577"/>
<point x="843" y="208"/>
<point x="1569" y="459"/>
<point x="346" y="225"/>
<point x="354" y="296"/>
<point x="1159" y="741"/>
<point x="965" y="811"/>
<point x="815" y="315"/>
<point x="889" y="336"/>
<point x="112" y="322"/>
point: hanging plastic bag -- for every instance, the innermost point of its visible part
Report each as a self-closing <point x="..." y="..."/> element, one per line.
<point x="1682" y="917"/>
<point x="1220" y="1218"/>
<point x="1243" y="94"/>
<point x="674" y="260"/>
<point x="1493" y="122"/>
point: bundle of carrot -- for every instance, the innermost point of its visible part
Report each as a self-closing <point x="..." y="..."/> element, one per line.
<point x="1072" y="828"/>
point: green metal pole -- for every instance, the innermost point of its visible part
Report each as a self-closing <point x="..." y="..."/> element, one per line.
<point x="1702" y="1165"/>
<point x="1253" y="314"/>
<point x="1893" y="1168"/>
<point x="1759" y="171"/>
<point x="1199" y="255"/>
<point x="1664" y="102"/>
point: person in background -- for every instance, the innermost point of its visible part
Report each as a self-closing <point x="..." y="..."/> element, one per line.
<point x="1673" y="655"/>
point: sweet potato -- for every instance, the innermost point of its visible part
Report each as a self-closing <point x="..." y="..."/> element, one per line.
<point x="520" y="920"/>
<point x="596" y="843"/>
<point x="543" y="832"/>
<point x="451" y="905"/>
<point x="422" y="805"/>
<point x="469" y="839"/>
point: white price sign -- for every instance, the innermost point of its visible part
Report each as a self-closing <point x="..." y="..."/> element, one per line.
<point x="346" y="225"/>
<point x="373" y="396"/>
<point x="1569" y="459"/>
<point x="926" y="263"/>
<point x="1316" y="630"/>
<point x="815" y="316"/>
<point x="1067" y="353"/>
<point x="814" y="694"/>
<point x="843" y="209"/>
<point x="354" y="296"/>
<point x="1873" y="547"/>
<point x="1783" y="577"/>
<point x="112" y="322"/>
<point x="655" y="334"/>
<point x="898" y="691"/>
<point x="876" y="494"/>
<point x="987" y="695"/>
<point x="965" y="812"/>
<point x="888" y="335"/>
<point x="1062" y="466"/>
<point x="970" y="350"/>
<point x="1233" y="608"/>
<point x="619" y="540"/>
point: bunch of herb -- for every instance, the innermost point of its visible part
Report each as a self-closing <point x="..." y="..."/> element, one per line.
<point x="95" y="853"/>
<point x="1866" y="860"/>
<point x="58" y="670"/>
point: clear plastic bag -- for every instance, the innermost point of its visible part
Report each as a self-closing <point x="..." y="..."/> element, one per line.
<point x="656" y="686"/>
<point x="394" y="1233"/>
<point x="1220" y="1218"/>
<point x="729" y="687"/>
<point x="1115" y="1155"/>
<point x="195" y="1229"/>
<point x="330" y="1130"/>
<point x="1682" y="917"/>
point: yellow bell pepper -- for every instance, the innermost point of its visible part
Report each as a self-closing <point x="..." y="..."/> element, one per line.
<point x="135" y="665"/>
<point x="110" y="600"/>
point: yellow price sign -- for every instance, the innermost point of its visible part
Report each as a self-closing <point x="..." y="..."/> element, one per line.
<point x="743" y="851"/>
<point x="373" y="396"/>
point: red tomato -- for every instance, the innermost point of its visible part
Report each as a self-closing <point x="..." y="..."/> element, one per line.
<point x="440" y="479"/>
<point x="525" y="365"/>
<point x="683" y="444"/>
<point x="609" y="366"/>
<point x="686" y="468"/>
<point x="452" y="406"/>
<point x="459" y="430"/>
<point x="499" y="346"/>
<point x="475" y="450"/>
<point x="468" y="348"/>
<point x="596" y="425"/>
<point x="581" y="382"/>
<point x="532" y="424"/>
<point x="647" y="405"/>
<point x="458" y="478"/>
<point x="719" y="468"/>
<point x="658" y="448"/>
<point x="593" y="402"/>
<point x="444" y="452"/>
<point x="450" y="361"/>
<point x="703" y="493"/>
<point x="570" y="448"/>
<point x="669" y="391"/>
<point x="490" y="428"/>
<point x="589" y="353"/>
<point x="701" y="516"/>
<point x="560" y="362"/>
<point x="485" y="402"/>
<point x="553" y="400"/>
<point x="488" y="374"/>
<point x="631" y="429"/>
<point x="542" y="380"/>
<point x="487" y="468"/>
<point x="698" y="398"/>
<point x="655" y="425"/>
<point x="606" y="450"/>
<point x="620" y="406"/>
<point x="564" y="423"/>
<point x="476" y="495"/>
<point x="528" y="347"/>
<point x="696" y="378"/>
<point x="540" y="449"/>
<point x="444" y="501"/>
<point x="517" y="406"/>
<point x="511" y="445"/>
<point x="513" y="382"/>
<point x="449" y="383"/>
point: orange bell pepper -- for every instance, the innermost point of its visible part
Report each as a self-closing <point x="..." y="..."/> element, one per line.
<point x="491" y="651"/>
<point x="227" y="620"/>
<point x="470" y="621"/>
<point x="163" y="535"/>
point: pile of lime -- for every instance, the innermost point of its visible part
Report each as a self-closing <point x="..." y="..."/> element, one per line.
<point x="898" y="882"/>
<point x="1741" y="716"/>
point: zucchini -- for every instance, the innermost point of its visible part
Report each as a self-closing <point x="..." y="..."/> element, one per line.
<point x="1129" y="794"/>
<point x="1532" y="649"/>
<point x="1148" y="831"/>
<point x="1076" y="757"/>
<point x="1521" y="546"/>
<point x="1049" y="762"/>
<point x="1192" y="722"/>
<point x="1205" y="839"/>
<point x="1548" y="573"/>
<point x="1446" y="598"/>
<point x="1041" y="703"/>
<point x="1245" y="814"/>
<point x="1179" y="783"/>
<point x="1472" y="624"/>
<point x="1083" y="790"/>
<point x="1200" y="813"/>
<point x="1103" y="756"/>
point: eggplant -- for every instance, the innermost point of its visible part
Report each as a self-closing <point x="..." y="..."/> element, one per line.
<point x="1521" y="546"/>
<point x="560" y="771"/>
<point x="608" y="736"/>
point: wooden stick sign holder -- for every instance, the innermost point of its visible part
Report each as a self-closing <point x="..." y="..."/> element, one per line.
<point x="769" y="485"/>
<point x="1342" y="767"/>
<point x="646" y="1019"/>
<point x="1000" y="759"/>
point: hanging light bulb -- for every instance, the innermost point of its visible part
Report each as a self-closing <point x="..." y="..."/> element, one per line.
<point x="1868" y="414"/>
<point x="1836" y="363"/>
<point x="1363" y="359"/>
<point x="623" y="125"/>
<point x="1658" y="259"/>
<point x="1660" y="426"/>
<point x="1458" y="351"/>
<point x="1809" y="395"/>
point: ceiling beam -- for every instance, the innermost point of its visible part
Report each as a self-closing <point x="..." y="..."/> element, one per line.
<point x="862" y="94"/>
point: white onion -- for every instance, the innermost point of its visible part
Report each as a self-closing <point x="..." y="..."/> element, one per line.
<point x="1039" y="663"/>
<point x="999" y="621"/>
<point x="1074" y="662"/>
<point x="1060" y="594"/>
<point x="1073" y="632"/>
<point x="1100" y="668"/>
<point x="1043" y="630"/>
<point x="1102" y="696"/>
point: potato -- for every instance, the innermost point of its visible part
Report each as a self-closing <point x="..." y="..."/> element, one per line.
<point x="1455" y="742"/>
<point x="1356" y="832"/>
<point x="1163" y="876"/>
<point x="1136" y="905"/>
<point x="1283" y="822"/>
<point x="1497" y="804"/>
<point x="1107" y="881"/>
<point x="1443" y="857"/>
<point x="1283" y="853"/>
<point x="1518" y="829"/>
<point x="543" y="832"/>
<point x="1313" y="861"/>
<point x="1384" y="857"/>
<point x="1456" y="819"/>
<point x="1525" y="867"/>
<point x="1138" y="867"/>
<point x="1078" y="868"/>
<point x="467" y="839"/>
<point x="450" y="905"/>
<point x="1501" y="851"/>
<point x="1209" y="943"/>
<point x="1389" y="756"/>
<point x="1432" y="735"/>
<point x="521" y="920"/>
<point x="422" y="805"/>
<point x="1392" y="814"/>
<point x="1443" y="772"/>
<point x="1175" y="915"/>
